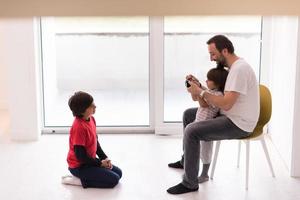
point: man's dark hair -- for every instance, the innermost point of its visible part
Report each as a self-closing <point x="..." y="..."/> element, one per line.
<point x="221" y="43"/>
<point x="79" y="102"/>
<point x="218" y="75"/>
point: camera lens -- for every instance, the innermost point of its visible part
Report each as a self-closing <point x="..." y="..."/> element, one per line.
<point x="187" y="84"/>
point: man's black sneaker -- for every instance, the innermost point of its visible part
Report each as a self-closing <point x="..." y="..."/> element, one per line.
<point x="180" y="189"/>
<point x="177" y="165"/>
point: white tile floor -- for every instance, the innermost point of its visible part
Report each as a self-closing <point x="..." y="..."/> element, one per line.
<point x="32" y="170"/>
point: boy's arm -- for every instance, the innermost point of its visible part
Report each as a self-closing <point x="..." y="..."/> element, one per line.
<point x="81" y="155"/>
<point x="100" y="152"/>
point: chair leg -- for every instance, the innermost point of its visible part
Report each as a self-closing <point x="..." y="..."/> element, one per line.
<point x="263" y="142"/>
<point x="239" y="154"/>
<point x="215" y="159"/>
<point x="247" y="162"/>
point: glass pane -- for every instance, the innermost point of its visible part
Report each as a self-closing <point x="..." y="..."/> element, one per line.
<point x="185" y="52"/>
<point x="105" y="56"/>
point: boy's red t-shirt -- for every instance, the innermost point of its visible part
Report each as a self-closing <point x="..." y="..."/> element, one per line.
<point x="82" y="133"/>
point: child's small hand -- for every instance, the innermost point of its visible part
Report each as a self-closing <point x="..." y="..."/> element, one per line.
<point x="193" y="79"/>
<point x="109" y="163"/>
<point x="106" y="163"/>
<point x="190" y="77"/>
<point x="194" y="89"/>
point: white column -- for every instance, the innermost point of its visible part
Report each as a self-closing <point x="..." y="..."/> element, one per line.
<point x="19" y="57"/>
<point x="295" y="161"/>
<point x="157" y="79"/>
<point x="3" y="74"/>
<point x="3" y="86"/>
<point x="283" y="82"/>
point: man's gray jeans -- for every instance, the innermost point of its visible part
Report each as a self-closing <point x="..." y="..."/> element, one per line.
<point x="219" y="128"/>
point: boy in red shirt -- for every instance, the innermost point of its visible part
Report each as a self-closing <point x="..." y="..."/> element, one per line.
<point x="86" y="159"/>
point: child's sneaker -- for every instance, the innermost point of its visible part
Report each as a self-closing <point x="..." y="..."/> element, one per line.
<point x="70" y="180"/>
<point x="202" y="179"/>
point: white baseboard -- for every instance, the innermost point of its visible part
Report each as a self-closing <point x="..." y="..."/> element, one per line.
<point x="176" y="129"/>
<point x="24" y="135"/>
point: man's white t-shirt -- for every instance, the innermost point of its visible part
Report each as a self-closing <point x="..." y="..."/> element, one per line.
<point x="245" y="111"/>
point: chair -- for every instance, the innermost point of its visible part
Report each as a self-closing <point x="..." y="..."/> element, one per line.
<point x="258" y="133"/>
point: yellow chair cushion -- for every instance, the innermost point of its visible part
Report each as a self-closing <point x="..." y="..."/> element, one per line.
<point x="265" y="111"/>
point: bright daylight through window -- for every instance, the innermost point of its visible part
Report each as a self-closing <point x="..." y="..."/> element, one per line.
<point x="185" y="52"/>
<point x="109" y="58"/>
<point x="105" y="56"/>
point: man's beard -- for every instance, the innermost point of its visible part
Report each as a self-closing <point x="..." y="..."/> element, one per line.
<point x="221" y="62"/>
<point x="220" y="66"/>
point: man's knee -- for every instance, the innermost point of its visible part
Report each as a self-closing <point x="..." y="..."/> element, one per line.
<point x="194" y="132"/>
<point x="188" y="116"/>
<point x="188" y="112"/>
<point x="184" y="115"/>
<point x="190" y="131"/>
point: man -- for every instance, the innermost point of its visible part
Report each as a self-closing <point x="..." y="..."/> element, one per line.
<point x="239" y="110"/>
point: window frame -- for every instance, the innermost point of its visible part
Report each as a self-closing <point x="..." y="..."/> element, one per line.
<point x="157" y="124"/>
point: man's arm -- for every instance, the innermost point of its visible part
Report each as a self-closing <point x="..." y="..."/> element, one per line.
<point x="223" y="102"/>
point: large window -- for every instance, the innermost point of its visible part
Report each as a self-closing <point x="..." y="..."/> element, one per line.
<point x="185" y="52"/>
<point x="134" y="67"/>
<point x="105" y="56"/>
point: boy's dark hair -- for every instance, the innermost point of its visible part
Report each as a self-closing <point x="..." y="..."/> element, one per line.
<point x="221" y="43"/>
<point x="79" y="102"/>
<point x="218" y="75"/>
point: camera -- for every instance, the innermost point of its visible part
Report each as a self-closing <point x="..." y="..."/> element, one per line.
<point x="187" y="84"/>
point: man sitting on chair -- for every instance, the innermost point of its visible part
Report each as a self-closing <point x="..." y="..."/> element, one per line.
<point x="239" y="110"/>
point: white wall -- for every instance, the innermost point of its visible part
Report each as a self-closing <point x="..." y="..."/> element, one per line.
<point x="3" y="74"/>
<point x="18" y="51"/>
<point x="3" y="86"/>
<point x="295" y="164"/>
<point x="283" y="65"/>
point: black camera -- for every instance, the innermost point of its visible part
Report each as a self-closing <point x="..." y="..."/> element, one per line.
<point x="187" y="84"/>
